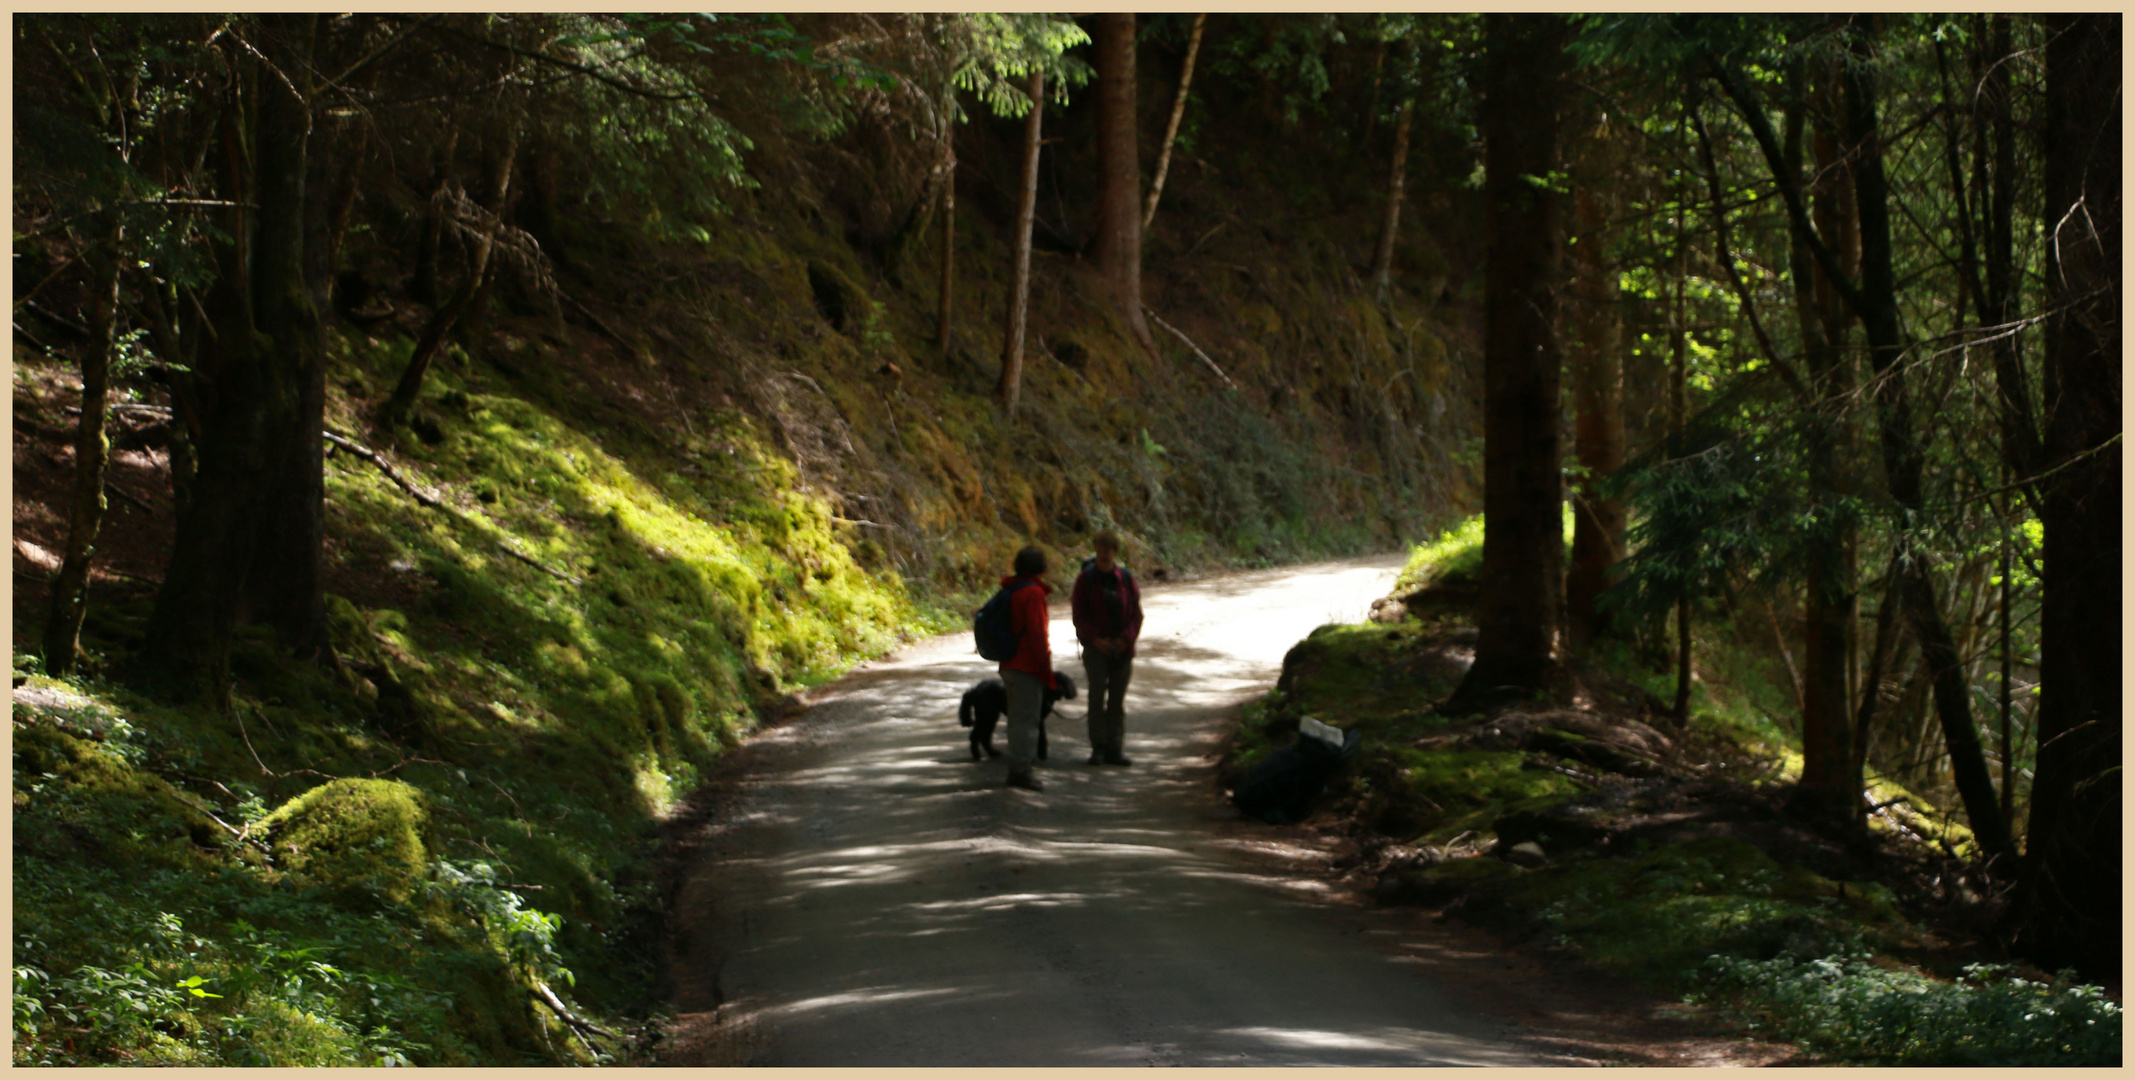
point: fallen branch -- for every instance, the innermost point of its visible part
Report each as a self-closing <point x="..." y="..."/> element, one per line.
<point x="549" y="998"/>
<point x="598" y="323"/>
<point x="128" y="498"/>
<point x="1181" y="335"/>
<point x="384" y="466"/>
<point x="1573" y="773"/>
<point x="537" y="564"/>
<point x="431" y="501"/>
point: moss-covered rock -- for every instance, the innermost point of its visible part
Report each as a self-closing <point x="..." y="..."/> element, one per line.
<point x="369" y="835"/>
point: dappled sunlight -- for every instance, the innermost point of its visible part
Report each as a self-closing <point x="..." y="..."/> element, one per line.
<point x="877" y="864"/>
<point x="1381" y="1040"/>
<point x="869" y="996"/>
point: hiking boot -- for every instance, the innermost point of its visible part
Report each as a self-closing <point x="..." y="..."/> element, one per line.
<point x="1023" y="779"/>
<point x="1118" y="759"/>
<point x="1097" y="757"/>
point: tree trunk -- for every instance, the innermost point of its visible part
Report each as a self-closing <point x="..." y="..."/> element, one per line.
<point x="445" y="318"/>
<point x="1026" y="214"/>
<point x="1171" y="130"/>
<point x="1999" y="305"/>
<point x="1879" y="656"/>
<point x="283" y="587"/>
<point x="1597" y="393"/>
<point x="1119" y="221"/>
<point x="1831" y="775"/>
<point x="1903" y="463"/>
<point x="92" y="451"/>
<point x="260" y="467"/>
<point x="2002" y="646"/>
<point x="1523" y="539"/>
<point x="1678" y="417"/>
<point x="948" y="217"/>
<point x="2070" y="901"/>
<point x="1382" y="264"/>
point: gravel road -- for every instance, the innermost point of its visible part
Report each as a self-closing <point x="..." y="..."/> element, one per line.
<point x="866" y="895"/>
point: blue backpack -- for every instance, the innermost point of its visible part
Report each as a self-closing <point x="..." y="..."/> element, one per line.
<point x="995" y="626"/>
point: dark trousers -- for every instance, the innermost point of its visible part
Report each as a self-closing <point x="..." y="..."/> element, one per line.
<point x="1108" y="674"/>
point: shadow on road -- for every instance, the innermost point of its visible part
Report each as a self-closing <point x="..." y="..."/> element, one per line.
<point x="873" y="897"/>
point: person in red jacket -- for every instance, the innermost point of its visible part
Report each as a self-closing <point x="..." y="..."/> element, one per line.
<point x="1108" y="619"/>
<point x="1029" y="673"/>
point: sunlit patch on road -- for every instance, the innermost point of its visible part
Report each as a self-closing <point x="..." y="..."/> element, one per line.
<point x="870" y="866"/>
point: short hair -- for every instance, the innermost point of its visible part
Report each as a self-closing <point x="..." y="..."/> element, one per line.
<point x="1105" y="539"/>
<point x="1030" y="562"/>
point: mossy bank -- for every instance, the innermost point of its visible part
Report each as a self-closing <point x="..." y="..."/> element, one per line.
<point x="1668" y="854"/>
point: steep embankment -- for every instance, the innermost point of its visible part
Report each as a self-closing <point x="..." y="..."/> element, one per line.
<point x="631" y="513"/>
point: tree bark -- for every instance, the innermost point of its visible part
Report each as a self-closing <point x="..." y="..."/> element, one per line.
<point x="1171" y="129"/>
<point x="1597" y="394"/>
<point x="69" y="602"/>
<point x="1831" y="774"/>
<point x="1523" y="539"/>
<point x="1879" y="656"/>
<point x="1903" y="463"/>
<point x="1678" y="417"/>
<point x="1026" y="215"/>
<point x="260" y="466"/>
<point x="2070" y="901"/>
<point x="1119" y="222"/>
<point x="1999" y="302"/>
<point x="1382" y="264"/>
<point x="948" y="218"/>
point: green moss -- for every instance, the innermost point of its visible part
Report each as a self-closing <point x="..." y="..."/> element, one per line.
<point x="117" y="812"/>
<point x="362" y="834"/>
<point x="1455" y="558"/>
<point x="1466" y="776"/>
<point x="1658" y="915"/>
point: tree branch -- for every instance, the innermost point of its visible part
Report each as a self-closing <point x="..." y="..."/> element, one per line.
<point x="1181" y="335"/>
<point x="1789" y="185"/>
<point x="1727" y="262"/>
<point x="581" y="69"/>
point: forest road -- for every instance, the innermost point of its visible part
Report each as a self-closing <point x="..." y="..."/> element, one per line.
<point x="867" y="895"/>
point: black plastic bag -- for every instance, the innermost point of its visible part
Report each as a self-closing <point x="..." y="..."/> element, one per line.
<point x="1280" y="789"/>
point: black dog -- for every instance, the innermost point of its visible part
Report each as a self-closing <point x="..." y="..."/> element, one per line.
<point x="984" y="703"/>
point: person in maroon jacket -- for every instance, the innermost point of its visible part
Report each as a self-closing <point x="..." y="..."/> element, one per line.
<point x="1029" y="673"/>
<point x="1108" y="618"/>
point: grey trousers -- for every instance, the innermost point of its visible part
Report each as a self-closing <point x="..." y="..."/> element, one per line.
<point x="1026" y="697"/>
<point x="1108" y="674"/>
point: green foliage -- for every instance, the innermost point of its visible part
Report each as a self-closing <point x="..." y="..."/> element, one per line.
<point x="1456" y="557"/>
<point x="1848" y="1009"/>
<point x="1289" y="53"/>
<point x="1726" y="506"/>
<point x="999" y="48"/>
<point x="1658" y="915"/>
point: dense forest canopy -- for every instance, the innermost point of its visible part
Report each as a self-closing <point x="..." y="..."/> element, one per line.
<point x="1807" y="321"/>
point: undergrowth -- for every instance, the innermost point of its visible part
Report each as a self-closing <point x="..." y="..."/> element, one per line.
<point x="1773" y="946"/>
<point x="1848" y="1008"/>
<point x="544" y="665"/>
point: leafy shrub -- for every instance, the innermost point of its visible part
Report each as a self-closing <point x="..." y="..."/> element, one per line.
<point x="1849" y="1009"/>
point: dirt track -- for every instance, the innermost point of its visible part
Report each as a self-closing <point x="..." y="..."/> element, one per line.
<point x="868" y="896"/>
